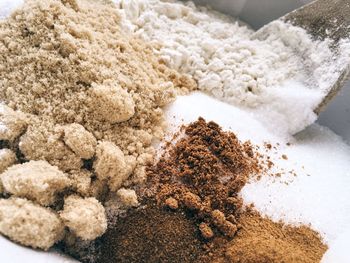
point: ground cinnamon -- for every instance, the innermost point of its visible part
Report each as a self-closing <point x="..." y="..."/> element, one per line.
<point x="262" y="240"/>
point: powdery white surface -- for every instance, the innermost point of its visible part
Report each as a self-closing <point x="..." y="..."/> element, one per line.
<point x="237" y="65"/>
<point x="319" y="195"/>
<point x="339" y="250"/>
<point x="6" y="6"/>
<point x="11" y="252"/>
<point x="182" y="111"/>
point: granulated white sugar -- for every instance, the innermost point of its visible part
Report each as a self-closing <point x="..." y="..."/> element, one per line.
<point x="241" y="122"/>
<point x="279" y="72"/>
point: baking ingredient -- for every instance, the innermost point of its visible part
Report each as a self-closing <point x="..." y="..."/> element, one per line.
<point x="85" y="217"/>
<point x="127" y="197"/>
<point x="151" y="235"/>
<point x="339" y="249"/>
<point x="82" y="182"/>
<point x="7" y="158"/>
<point x="7" y="6"/>
<point x="262" y="240"/>
<point x="111" y="165"/>
<point x="35" y="180"/>
<point x="12" y="123"/>
<point x="183" y="222"/>
<point x="203" y="174"/>
<point x="82" y="142"/>
<point x="319" y="194"/>
<point x="77" y="162"/>
<point x="104" y="72"/>
<point x="199" y="178"/>
<point x="281" y="74"/>
<point x="29" y="224"/>
<point x="255" y="239"/>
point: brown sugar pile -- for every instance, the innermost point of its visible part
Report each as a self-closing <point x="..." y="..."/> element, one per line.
<point x="261" y="240"/>
<point x="69" y="62"/>
<point x="203" y="174"/>
<point x="80" y="105"/>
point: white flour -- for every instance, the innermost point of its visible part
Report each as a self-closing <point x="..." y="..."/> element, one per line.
<point x="281" y="74"/>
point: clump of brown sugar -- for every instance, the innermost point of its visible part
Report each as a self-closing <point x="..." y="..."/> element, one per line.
<point x="81" y="98"/>
<point x="262" y="240"/>
<point x="202" y="174"/>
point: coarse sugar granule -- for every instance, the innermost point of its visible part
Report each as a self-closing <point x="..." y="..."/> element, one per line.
<point x="78" y="94"/>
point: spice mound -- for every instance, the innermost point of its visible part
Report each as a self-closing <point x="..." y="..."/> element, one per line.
<point x="80" y="105"/>
<point x="151" y="235"/>
<point x="203" y="174"/>
<point x="262" y="240"/>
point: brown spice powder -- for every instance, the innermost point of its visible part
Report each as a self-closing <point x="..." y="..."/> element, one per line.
<point x="202" y="175"/>
<point x="262" y="240"/>
<point x="151" y="235"/>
